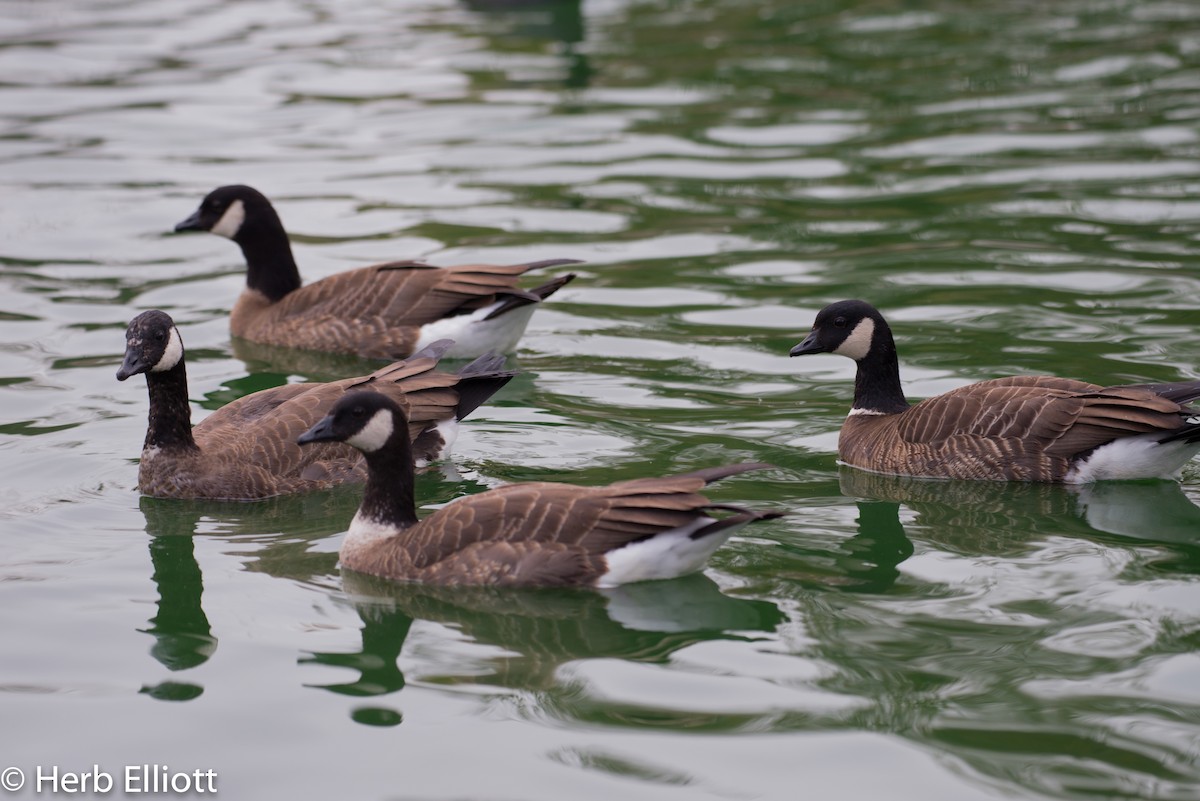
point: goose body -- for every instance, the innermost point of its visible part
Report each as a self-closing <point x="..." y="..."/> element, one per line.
<point x="386" y="311"/>
<point x="1021" y="428"/>
<point x="247" y="449"/>
<point x="536" y="534"/>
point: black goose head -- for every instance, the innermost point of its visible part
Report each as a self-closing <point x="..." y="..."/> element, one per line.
<point x="847" y="328"/>
<point x="366" y="420"/>
<point x="152" y="345"/>
<point x="226" y="210"/>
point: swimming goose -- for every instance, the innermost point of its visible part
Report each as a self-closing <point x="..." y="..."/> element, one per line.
<point x="1022" y="428"/>
<point x="386" y="311"/>
<point x="537" y="534"/>
<point x="247" y="449"/>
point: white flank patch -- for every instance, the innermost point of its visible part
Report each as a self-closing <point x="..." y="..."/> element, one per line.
<point x="868" y="412"/>
<point x="1132" y="458"/>
<point x="172" y="354"/>
<point x="858" y="344"/>
<point x="375" y="434"/>
<point x="473" y="335"/>
<point x="231" y="221"/>
<point x="667" y="555"/>
<point x="448" y="430"/>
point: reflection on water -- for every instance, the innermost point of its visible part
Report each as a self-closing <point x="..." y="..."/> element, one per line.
<point x="538" y="630"/>
<point x="276" y="536"/>
<point x="312" y="365"/>
<point x="554" y="20"/>
<point x="994" y="516"/>
<point x="878" y="548"/>
<point x="182" y="636"/>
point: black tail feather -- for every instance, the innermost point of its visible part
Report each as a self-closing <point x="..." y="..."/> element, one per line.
<point x="553" y="285"/>
<point x="1189" y="432"/>
<point x="711" y="474"/>
<point x="475" y="387"/>
<point x="1180" y="392"/>
<point x="538" y="265"/>
<point x="489" y="362"/>
<point x="518" y="298"/>
<point x="740" y="516"/>
<point x="434" y="350"/>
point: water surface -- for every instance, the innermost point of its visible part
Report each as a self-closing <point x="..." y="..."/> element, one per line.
<point x="1013" y="183"/>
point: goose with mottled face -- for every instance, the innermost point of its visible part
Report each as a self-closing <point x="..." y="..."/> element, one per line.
<point x="247" y="449"/>
<point x="1021" y="428"/>
<point x="386" y="311"/>
<point x="537" y="534"/>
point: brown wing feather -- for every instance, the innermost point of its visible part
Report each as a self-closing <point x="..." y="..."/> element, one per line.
<point x="516" y="564"/>
<point x="1114" y="412"/>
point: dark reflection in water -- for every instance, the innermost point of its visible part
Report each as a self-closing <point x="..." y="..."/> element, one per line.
<point x="999" y="649"/>
<point x="540" y="629"/>
<point x="278" y="534"/>
<point x="998" y="517"/>
<point x="555" y="20"/>
<point x="271" y="360"/>
<point x="183" y="637"/>
<point x="1001" y="518"/>
<point x="877" y="549"/>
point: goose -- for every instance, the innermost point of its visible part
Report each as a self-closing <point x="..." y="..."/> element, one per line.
<point x="1020" y="428"/>
<point x="536" y="534"/>
<point x="386" y="311"/>
<point x="247" y="449"/>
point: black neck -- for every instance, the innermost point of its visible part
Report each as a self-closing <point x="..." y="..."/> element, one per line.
<point x="170" y="416"/>
<point x="270" y="267"/>
<point x="388" y="497"/>
<point x="877" y="384"/>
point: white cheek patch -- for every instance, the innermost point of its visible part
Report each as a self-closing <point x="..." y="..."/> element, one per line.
<point x="375" y="434"/>
<point x="231" y="221"/>
<point x="171" y="355"/>
<point x="858" y="344"/>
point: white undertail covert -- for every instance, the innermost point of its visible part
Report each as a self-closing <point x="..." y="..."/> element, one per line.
<point x="667" y="555"/>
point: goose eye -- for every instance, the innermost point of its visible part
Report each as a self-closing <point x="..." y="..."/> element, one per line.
<point x="358" y="411"/>
<point x="839" y="322"/>
<point x="160" y="336"/>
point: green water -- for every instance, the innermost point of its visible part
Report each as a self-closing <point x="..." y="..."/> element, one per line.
<point x="1013" y="184"/>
